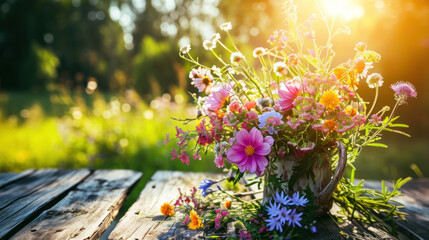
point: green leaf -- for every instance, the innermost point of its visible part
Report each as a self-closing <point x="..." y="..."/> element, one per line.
<point x="399" y="125"/>
<point x="377" y="145"/>
<point x="238" y="176"/>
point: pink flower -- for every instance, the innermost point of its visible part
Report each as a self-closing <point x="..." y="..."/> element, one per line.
<point x="234" y="106"/>
<point x="167" y="139"/>
<point x="288" y="92"/>
<point x="404" y="90"/>
<point x="217" y="99"/>
<point x="375" y="119"/>
<point x="219" y="161"/>
<point x="184" y="157"/>
<point x="249" y="151"/>
<point x="202" y="79"/>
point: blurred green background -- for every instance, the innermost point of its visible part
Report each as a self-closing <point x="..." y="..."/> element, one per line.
<point x="94" y="83"/>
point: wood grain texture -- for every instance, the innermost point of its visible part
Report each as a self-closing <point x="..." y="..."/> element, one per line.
<point x="87" y="211"/>
<point x="143" y="219"/>
<point x="25" y="199"/>
<point x="9" y="177"/>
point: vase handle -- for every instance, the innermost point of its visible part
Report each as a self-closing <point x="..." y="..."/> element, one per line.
<point x="341" y="166"/>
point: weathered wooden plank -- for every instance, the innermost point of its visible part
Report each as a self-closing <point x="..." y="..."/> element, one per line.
<point x="9" y="177"/>
<point x="87" y="211"/>
<point x="26" y="186"/>
<point x="142" y="220"/>
<point x="418" y="189"/>
<point x="32" y="198"/>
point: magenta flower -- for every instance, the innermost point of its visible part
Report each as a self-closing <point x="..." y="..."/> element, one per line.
<point x="217" y="99"/>
<point x="403" y="90"/>
<point x="288" y="91"/>
<point x="249" y="151"/>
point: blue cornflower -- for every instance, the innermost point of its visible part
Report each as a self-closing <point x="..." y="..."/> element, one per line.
<point x="274" y="223"/>
<point x="263" y="118"/>
<point x="284" y="214"/>
<point x="205" y="186"/>
<point x="282" y="198"/>
<point x="273" y="209"/>
<point x="294" y="218"/>
<point x="298" y="201"/>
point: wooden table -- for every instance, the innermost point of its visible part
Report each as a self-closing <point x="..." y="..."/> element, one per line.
<point x="81" y="204"/>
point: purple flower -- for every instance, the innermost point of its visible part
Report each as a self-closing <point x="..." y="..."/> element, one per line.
<point x="274" y="223"/>
<point x="273" y="210"/>
<point x="249" y="151"/>
<point x="403" y="90"/>
<point x="282" y="198"/>
<point x="284" y="214"/>
<point x="313" y="229"/>
<point x="205" y="186"/>
<point x="294" y="218"/>
<point x="298" y="201"/>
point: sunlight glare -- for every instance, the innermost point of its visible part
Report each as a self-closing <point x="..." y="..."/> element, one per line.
<point x="346" y="9"/>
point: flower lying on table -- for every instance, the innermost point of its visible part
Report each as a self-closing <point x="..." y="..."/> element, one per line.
<point x="291" y="121"/>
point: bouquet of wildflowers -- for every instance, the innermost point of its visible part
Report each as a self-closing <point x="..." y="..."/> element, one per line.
<point x="291" y="103"/>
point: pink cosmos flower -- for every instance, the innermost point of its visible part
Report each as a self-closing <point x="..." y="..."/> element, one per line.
<point x="217" y="99"/>
<point x="288" y="92"/>
<point x="249" y="151"/>
<point x="202" y="79"/>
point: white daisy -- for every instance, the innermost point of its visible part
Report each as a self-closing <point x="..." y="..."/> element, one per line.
<point x="209" y="45"/>
<point x="226" y="26"/>
<point x="185" y="49"/>
<point x="258" y="52"/>
<point x="374" y="80"/>
<point x="236" y="57"/>
<point x="280" y="68"/>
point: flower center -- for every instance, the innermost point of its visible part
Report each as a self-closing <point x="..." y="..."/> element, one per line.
<point x="249" y="150"/>
<point x="206" y="80"/>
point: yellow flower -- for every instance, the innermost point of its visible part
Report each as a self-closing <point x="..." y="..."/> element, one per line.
<point x="330" y="100"/>
<point x="351" y="111"/>
<point x="227" y="204"/>
<point x="167" y="209"/>
<point x="371" y="56"/>
<point x="195" y="221"/>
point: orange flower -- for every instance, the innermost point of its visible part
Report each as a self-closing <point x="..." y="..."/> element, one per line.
<point x="195" y="221"/>
<point x="346" y="75"/>
<point x="249" y="105"/>
<point x="227" y="204"/>
<point x="351" y="111"/>
<point x="167" y="209"/>
<point x="360" y="65"/>
<point x="330" y="100"/>
<point x="331" y="125"/>
<point x="342" y="73"/>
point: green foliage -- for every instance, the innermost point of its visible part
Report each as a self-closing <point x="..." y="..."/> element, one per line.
<point x="155" y="67"/>
<point x="363" y="204"/>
